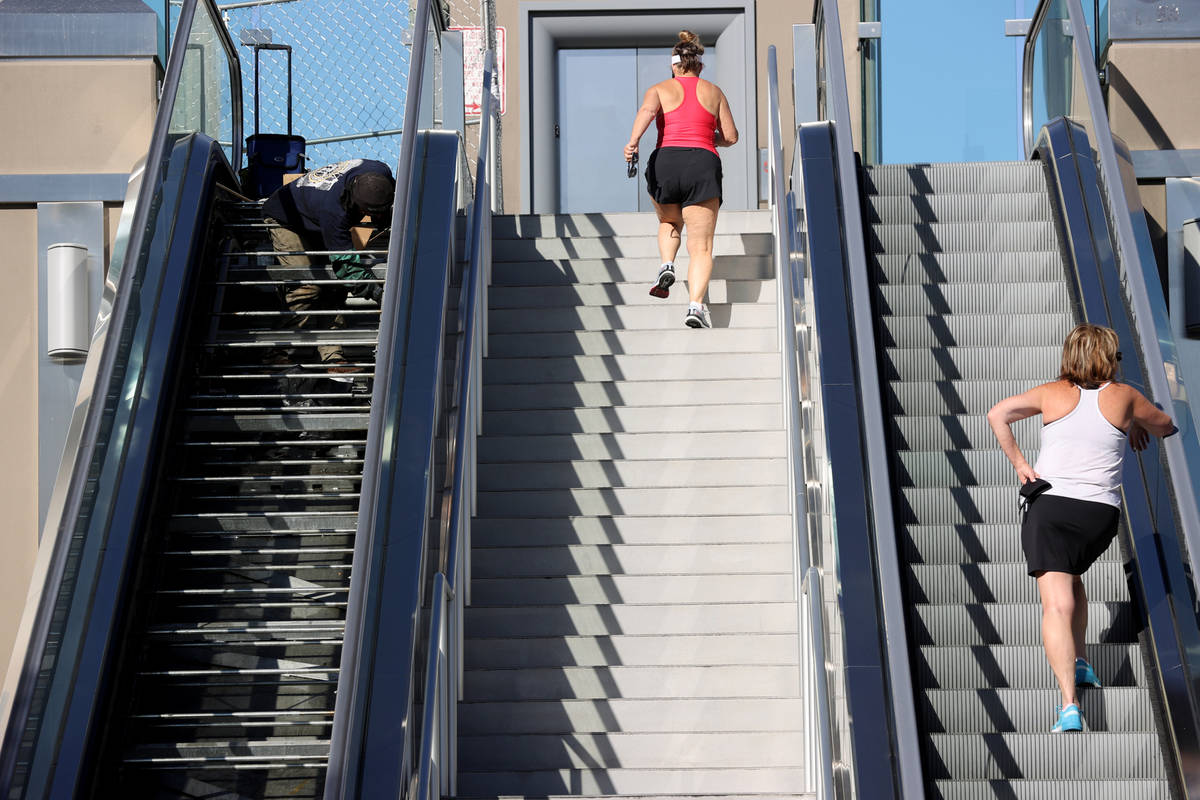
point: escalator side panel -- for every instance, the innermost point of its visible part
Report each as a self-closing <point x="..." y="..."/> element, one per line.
<point x="1166" y="596"/>
<point x="123" y="475"/>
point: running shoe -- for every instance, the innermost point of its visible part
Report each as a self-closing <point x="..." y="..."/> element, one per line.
<point x="1069" y="720"/>
<point x="666" y="278"/>
<point x="1084" y="674"/>
<point x="697" y="317"/>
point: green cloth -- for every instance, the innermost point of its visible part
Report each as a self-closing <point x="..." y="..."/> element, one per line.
<point x="350" y="267"/>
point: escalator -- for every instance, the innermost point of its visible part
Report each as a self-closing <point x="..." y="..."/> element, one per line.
<point x="231" y="658"/>
<point x="972" y="303"/>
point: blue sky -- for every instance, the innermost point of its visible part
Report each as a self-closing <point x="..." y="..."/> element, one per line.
<point x="951" y="80"/>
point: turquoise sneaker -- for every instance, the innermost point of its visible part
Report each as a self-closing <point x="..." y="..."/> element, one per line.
<point x="1069" y="720"/>
<point x="1084" y="674"/>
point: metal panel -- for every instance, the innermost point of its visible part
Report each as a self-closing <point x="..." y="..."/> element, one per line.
<point x="596" y="91"/>
<point x="74" y="28"/>
<point x="1138" y="19"/>
<point x="804" y="72"/>
<point x="1166" y="163"/>
<point x="58" y="378"/>
<point x="63" y="188"/>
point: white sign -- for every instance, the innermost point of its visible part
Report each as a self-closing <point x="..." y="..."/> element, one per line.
<point x="473" y="46"/>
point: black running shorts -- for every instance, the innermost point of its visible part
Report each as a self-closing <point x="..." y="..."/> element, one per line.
<point x="1062" y="534"/>
<point x="683" y="175"/>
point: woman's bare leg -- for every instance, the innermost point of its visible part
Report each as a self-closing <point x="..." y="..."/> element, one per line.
<point x="670" y="224"/>
<point x="1080" y="617"/>
<point x="1058" y="613"/>
<point x="701" y="222"/>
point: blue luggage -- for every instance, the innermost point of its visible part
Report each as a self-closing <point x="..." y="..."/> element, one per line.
<point x="270" y="156"/>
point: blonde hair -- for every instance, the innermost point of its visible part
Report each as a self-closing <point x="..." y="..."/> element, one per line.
<point x="689" y="50"/>
<point x="1089" y="355"/>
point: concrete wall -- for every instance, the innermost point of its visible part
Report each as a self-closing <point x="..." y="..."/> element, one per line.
<point x="68" y="121"/>
<point x="774" y="20"/>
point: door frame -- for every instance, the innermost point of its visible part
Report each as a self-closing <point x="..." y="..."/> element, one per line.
<point x="553" y="24"/>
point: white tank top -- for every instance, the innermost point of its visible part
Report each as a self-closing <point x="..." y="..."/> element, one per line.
<point x="1081" y="453"/>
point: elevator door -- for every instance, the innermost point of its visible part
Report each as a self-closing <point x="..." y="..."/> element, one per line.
<point x="599" y="92"/>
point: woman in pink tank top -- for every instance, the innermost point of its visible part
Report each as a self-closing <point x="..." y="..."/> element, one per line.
<point x="683" y="174"/>
<point x="1087" y="419"/>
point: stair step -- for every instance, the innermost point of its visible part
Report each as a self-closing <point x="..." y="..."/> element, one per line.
<point x="1022" y="266"/>
<point x="1002" y="583"/>
<point x="666" y="502"/>
<point x="939" y="299"/>
<point x="622" y="269"/>
<point x="632" y="750"/>
<point x="1120" y="709"/>
<point x="572" y="226"/>
<point x="674" y="681"/>
<point x="716" y="529"/>
<point x="632" y="446"/>
<point x="570" y="717"/>
<point x="733" y="784"/>
<point x="612" y="473"/>
<point x="610" y="620"/>
<point x="974" y="207"/>
<point x="691" y="366"/>
<point x="954" y="178"/>
<point x="975" y="330"/>
<point x="615" y="394"/>
<point x="628" y="419"/>
<point x="666" y="315"/>
<point x="605" y="561"/>
<point x="778" y="649"/>
<point x="1012" y="623"/>
<point x="1020" y="666"/>
<point x="720" y="291"/>
<point x="630" y="246"/>
<point x="971" y="363"/>
<point x="961" y="237"/>
<point x="656" y="343"/>
<point x="633" y="589"/>
<point x="1045" y="756"/>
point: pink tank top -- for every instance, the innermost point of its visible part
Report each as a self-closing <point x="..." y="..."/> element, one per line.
<point x="690" y="125"/>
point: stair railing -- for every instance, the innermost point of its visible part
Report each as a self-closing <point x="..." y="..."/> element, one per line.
<point x="436" y="774"/>
<point x="791" y="305"/>
<point x="62" y="637"/>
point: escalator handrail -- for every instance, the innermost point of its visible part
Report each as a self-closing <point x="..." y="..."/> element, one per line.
<point x="66" y="502"/>
<point x="1136" y="259"/>
<point x="818" y="764"/>
<point x="875" y="444"/>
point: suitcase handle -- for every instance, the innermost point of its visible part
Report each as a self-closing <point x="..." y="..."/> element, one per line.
<point x="288" y="49"/>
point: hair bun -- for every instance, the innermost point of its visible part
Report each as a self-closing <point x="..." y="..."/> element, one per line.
<point x="687" y="37"/>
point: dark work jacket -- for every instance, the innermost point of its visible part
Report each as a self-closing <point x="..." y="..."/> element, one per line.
<point x="313" y="203"/>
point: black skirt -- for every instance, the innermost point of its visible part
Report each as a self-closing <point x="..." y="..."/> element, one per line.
<point x="683" y="175"/>
<point x="1062" y="534"/>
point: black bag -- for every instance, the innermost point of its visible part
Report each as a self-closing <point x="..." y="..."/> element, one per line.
<point x="631" y="167"/>
<point x="270" y="156"/>
<point x="1030" y="491"/>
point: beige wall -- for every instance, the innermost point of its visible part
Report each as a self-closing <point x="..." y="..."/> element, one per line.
<point x="18" y="403"/>
<point x="774" y="20"/>
<point x="65" y="116"/>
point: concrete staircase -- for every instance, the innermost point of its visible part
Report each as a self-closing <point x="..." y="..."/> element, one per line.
<point x="632" y="630"/>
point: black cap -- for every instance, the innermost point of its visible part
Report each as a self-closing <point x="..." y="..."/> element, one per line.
<point x="372" y="192"/>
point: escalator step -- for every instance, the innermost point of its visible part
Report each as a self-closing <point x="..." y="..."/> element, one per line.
<point x="1076" y="789"/>
<point x="957" y="467"/>
<point x="963" y="178"/>
<point x="1002" y="582"/>
<point x="974" y="330"/>
<point x="961" y="237"/>
<point x="1112" y="709"/>
<point x="1045" y="756"/>
<point x="1026" y="266"/>
<point x="937" y="299"/>
<point x="1035" y="364"/>
<point x="1012" y="623"/>
<point x="971" y="543"/>
<point x="914" y="208"/>
<point x="1020" y="666"/>
<point x="952" y="432"/>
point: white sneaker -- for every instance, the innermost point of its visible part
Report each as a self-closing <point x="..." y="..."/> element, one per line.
<point x="666" y="278"/>
<point x="697" y="316"/>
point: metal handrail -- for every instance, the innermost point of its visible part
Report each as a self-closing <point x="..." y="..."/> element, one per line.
<point x="818" y="765"/>
<point x="66" y="501"/>
<point x="837" y="109"/>
<point x="1136" y="259"/>
<point x="436" y="768"/>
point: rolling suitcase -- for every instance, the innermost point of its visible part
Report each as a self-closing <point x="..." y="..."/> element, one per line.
<point x="270" y="156"/>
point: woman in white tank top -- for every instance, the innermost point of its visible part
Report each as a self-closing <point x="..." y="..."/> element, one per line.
<point x="1087" y="419"/>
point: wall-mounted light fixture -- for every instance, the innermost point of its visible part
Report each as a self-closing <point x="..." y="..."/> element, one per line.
<point x="68" y="318"/>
